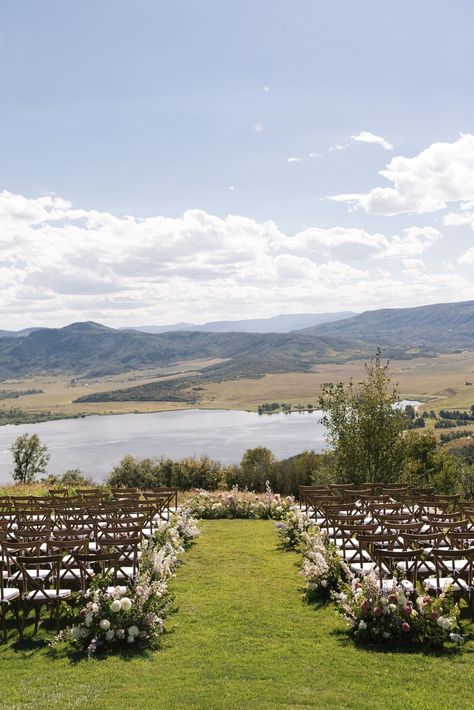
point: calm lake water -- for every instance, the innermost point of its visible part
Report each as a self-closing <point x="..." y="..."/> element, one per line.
<point x="96" y="444"/>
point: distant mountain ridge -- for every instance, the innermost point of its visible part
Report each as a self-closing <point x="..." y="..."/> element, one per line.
<point x="95" y="350"/>
<point x="283" y="323"/>
<point x="440" y="326"/>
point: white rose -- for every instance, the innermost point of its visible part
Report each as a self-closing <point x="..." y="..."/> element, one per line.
<point x="126" y="604"/>
<point x="116" y="605"/>
<point x="104" y="624"/>
<point x="362" y="625"/>
<point x="130" y="639"/>
<point x="88" y="619"/>
<point x="120" y="633"/>
<point x="133" y="631"/>
<point x="95" y="607"/>
<point x="109" y="635"/>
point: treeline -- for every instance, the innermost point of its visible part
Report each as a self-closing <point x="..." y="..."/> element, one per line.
<point x="14" y="394"/>
<point x="256" y="468"/>
<point x="284" y="407"/>
<point x="422" y="464"/>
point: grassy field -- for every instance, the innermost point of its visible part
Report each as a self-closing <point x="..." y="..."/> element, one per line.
<point x="242" y="638"/>
<point x="438" y="382"/>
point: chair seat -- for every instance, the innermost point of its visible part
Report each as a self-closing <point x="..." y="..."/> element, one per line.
<point x="35" y="573"/>
<point x="388" y="584"/>
<point x="9" y="594"/>
<point x="126" y="572"/>
<point x="45" y="595"/>
<point x="120" y="588"/>
<point x="364" y="568"/>
<point x="431" y="584"/>
<point x="74" y="573"/>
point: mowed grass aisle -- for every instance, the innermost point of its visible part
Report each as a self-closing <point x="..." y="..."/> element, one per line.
<point x="241" y="638"/>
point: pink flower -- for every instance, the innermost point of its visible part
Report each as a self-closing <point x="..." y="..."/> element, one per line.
<point x="365" y="606"/>
<point x="408" y="609"/>
<point x="405" y="627"/>
<point x="434" y="615"/>
<point x="392" y="599"/>
<point x="378" y="611"/>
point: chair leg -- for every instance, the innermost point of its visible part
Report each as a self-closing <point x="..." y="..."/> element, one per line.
<point x="4" y="623"/>
<point x="37" y="617"/>
<point x="22" y="620"/>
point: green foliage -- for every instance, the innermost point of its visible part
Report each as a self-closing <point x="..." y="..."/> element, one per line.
<point x="426" y="465"/>
<point x="30" y="457"/>
<point x="201" y="472"/>
<point x="364" y="427"/>
<point x="72" y="478"/>
<point x="257" y="467"/>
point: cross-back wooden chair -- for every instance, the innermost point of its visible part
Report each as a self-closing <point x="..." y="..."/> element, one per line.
<point x="369" y="544"/>
<point x="402" y="568"/>
<point x="94" y="563"/>
<point x="41" y="591"/>
<point x="70" y="572"/>
<point x="9" y="596"/>
<point x="453" y="568"/>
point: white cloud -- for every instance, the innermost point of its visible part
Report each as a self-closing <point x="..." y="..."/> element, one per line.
<point x="232" y="188"/>
<point x="60" y="264"/>
<point x="368" y="137"/>
<point x="440" y="174"/>
<point x="266" y="89"/>
<point x="314" y="155"/>
<point x="258" y="127"/>
<point x="293" y="159"/>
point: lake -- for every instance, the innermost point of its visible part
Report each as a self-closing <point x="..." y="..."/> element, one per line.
<point x="97" y="443"/>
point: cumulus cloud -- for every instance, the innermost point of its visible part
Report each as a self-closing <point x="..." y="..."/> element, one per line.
<point x="60" y="264"/>
<point x="440" y="174"/>
<point x="368" y="137"/>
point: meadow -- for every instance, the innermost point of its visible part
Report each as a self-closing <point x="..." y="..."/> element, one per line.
<point x="438" y="382"/>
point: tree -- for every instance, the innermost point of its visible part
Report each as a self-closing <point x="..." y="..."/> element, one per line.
<point x="365" y="427"/>
<point x="30" y="457"/>
<point x="257" y="467"/>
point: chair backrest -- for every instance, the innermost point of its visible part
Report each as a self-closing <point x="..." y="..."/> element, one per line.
<point x="456" y="564"/>
<point x="38" y="586"/>
<point x="97" y="563"/>
<point x="401" y="561"/>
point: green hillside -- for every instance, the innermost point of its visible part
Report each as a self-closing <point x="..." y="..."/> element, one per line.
<point x="442" y="327"/>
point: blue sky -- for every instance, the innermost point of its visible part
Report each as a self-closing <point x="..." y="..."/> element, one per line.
<point x="181" y="114"/>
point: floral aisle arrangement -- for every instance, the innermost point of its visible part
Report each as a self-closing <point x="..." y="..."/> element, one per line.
<point x="239" y="504"/>
<point x="388" y="615"/>
<point x="323" y="567"/>
<point x="112" y="617"/>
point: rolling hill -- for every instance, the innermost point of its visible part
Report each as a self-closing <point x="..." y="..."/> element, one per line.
<point x="442" y="327"/>
<point x="93" y="350"/>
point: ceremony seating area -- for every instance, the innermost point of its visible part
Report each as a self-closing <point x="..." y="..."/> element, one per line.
<point x="399" y="533"/>
<point x="53" y="545"/>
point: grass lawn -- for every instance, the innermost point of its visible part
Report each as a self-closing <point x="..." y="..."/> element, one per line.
<point x="242" y="638"/>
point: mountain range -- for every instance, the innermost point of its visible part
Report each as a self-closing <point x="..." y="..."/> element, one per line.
<point x="283" y="323"/>
<point x="92" y="350"/>
<point x="442" y="326"/>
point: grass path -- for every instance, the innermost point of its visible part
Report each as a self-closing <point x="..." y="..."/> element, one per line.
<point x="242" y="638"/>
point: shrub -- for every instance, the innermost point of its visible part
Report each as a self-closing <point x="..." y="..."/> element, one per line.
<point x="374" y="615"/>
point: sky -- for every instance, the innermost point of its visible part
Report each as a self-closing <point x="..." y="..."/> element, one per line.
<point x="192" y="161"/>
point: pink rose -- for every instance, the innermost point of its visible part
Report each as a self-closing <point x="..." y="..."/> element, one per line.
<point x="365" y="606"/>
<point x="392" y="598"/>
<point x="434" y="615"/>
<point x="408" y="609"/>
<point x="378" y="611"/>
<point x="405" y="627"/>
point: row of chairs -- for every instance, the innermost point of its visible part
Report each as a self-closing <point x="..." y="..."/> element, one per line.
<point x="49" y="551"/>
<point x="428" y="539"/>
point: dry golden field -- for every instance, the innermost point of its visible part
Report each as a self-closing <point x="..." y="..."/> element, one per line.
<point x="438" y="382"/>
